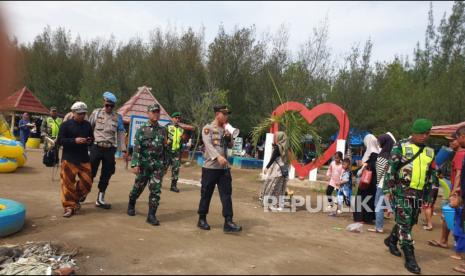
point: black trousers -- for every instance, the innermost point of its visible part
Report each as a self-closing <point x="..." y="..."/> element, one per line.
<point x="329" y="194"/>
<point x="210" y="178"/>
<point x="107" y="157"/>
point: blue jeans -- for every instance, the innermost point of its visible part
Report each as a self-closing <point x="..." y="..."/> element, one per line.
<point x="379" y="210"/>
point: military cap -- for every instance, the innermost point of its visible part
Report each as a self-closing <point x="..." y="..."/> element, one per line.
<point x="176" y="114"/>
<point x="153" y="108"/>
<point x="221" y="108"/>
<point x="53" y="108"/>
<point x="421" y="126"/>
<point x="109" y="97"/>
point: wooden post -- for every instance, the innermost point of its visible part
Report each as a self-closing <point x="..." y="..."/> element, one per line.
<point x="12" y="124"/>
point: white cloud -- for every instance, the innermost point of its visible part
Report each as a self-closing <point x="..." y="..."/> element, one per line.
<point x="394" y="27"/>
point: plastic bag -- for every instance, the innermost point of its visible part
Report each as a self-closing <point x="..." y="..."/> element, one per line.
<point x="355" y="227"/>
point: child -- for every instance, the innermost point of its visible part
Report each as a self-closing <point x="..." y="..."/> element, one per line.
<point x="334" y="173"/>
<point x="344" y="193"/>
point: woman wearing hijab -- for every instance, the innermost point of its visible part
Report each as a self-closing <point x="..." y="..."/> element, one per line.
<point x="386" y="142"/>
<point x="276" y="172"/>
<point x="362" y="214"/>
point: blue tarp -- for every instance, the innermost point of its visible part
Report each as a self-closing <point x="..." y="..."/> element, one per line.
<point x="355" y="136"/>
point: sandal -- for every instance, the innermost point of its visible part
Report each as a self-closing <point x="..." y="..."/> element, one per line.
<point x="459" y="269"/>
<point x="455" y="257"/>
<point x="374" y="230"/>
<point x="68" y="213"/>
<point x="435" y="243"/>
<point x="428" y="228"/>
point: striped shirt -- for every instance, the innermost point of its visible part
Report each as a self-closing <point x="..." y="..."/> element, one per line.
<point x="381" y="169"/>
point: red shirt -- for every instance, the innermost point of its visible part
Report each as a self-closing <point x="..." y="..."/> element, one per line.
<point x="457" y="164"/>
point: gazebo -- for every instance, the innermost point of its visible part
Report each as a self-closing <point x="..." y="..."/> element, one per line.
<point x="137" y="105"/>
<point x="22" y="100"/>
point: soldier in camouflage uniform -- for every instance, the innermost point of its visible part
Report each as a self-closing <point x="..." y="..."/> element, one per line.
<point x="409" y="182"/>
<point x="148" y="163"/>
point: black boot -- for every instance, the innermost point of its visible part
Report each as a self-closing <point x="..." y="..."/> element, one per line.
<point x="131" y="207"/>
<point x="230" y="226"/>
<point x="410" y="261"/>
<point x="151" y="218"/>
<point x="391" y="243"/>
<point x="174" y="188"/>
<point x="203" y="224"/>
<point x="100" y="203"/>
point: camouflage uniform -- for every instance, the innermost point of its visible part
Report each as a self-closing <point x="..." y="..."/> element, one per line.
<point x="407" y="200"/>
<point x="149" y="155"/>
<point x="174" y="142"/>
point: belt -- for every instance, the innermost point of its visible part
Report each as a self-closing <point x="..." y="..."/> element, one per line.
<point x="106" y="145"/>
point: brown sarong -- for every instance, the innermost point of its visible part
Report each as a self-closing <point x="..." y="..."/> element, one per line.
<point x="71" y="190"/>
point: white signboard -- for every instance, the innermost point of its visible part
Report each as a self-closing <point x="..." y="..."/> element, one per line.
<point x="135" y="123"/>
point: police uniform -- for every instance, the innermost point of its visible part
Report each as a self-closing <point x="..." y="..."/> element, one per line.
<point x="174" y="144"/>
<point x="149" y="155"/>
<point x="216" y="144"/>
<point x="411" y="181"/>
<point x="50" y="128"/>
<point x="109" y="136"/>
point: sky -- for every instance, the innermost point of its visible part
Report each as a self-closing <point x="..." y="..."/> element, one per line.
<point x="393" y="27"/>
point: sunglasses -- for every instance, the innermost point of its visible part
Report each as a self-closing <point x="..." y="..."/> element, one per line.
<point x="109" y="105"/>
<point x="81" y="114"/>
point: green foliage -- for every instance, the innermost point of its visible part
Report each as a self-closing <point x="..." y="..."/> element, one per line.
<point x="180" y="67"/>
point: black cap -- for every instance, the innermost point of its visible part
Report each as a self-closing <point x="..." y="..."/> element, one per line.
<point x="153" y="107"/>
<point x="221" y="108"/>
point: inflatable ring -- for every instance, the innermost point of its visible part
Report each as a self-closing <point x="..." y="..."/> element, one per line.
<point x="445" y="186"/>
<point x="21" y="160"/>
<point x="10" y="148"/>
<point x="8" y="165"/>
<point x="12" y="216"/>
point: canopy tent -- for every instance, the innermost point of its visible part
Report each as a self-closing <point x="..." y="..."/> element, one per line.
<point x="445" y="130"/>
<point x="138" y="104"/>
<point x="22" y="100"/>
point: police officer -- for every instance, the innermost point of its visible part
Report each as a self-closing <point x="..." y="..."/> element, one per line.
<point x="216" y="170"/>
<point x="109" y="136"/>
<point x="409" y="183"/>
<point x="174" y="143"/>
<point x="50" y="128"/>
<point x="148" y="163"/>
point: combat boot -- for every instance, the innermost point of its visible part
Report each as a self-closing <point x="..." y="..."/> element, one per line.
<point x="132" y="207"/>
<point x="100" y="203"/>
<point x="391" y="243"/>
<point x="410" y="261"/>
<point x="174" y="187"/>
<point x="151" y="218"/>
<point x="230" y="226"/>
<point x="203" y="224"/>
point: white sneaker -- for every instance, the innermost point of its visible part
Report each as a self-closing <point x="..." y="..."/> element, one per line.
<point x="338" y="212"/>
<point x="329" y="208"/>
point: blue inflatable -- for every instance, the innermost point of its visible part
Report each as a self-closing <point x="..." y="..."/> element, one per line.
<point x="12" y="215"/>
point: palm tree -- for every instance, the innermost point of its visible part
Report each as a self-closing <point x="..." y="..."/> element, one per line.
<point x="293" y="124"/>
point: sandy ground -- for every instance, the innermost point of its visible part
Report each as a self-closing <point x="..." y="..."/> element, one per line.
<point x="271" y="243"/>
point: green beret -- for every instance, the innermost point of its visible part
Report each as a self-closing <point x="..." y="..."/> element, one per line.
<point x="176" y="114"/>
<point x="153" y="108"/>
<point x="422" y="126"/>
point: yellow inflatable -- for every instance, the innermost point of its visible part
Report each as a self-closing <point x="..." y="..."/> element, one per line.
<point x="5" y="129"/>
<point x="8" y="165"/>
<point x="21" y="160"/>
<point x="10" y="148"/>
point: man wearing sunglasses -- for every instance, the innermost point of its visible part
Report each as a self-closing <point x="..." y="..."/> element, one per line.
<point x="109" y="136"/>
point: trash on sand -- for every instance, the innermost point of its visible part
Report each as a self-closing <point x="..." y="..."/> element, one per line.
<point x="355" y="227"/>
<point x="337" y="228"/>
<point x="41" y="258"/>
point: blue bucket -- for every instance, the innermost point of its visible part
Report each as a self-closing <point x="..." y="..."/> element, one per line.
<point x="449" y="214"/>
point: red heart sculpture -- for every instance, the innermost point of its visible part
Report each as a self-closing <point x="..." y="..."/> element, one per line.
<point x="310" y="116"/>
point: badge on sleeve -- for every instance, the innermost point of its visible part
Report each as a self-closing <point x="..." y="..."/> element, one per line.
<point x="206" y="131"/>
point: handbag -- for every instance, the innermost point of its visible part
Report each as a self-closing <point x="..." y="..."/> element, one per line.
<point x="365" y="179"/>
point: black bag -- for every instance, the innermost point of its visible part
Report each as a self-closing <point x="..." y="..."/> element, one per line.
<point x="50" y="158"/>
